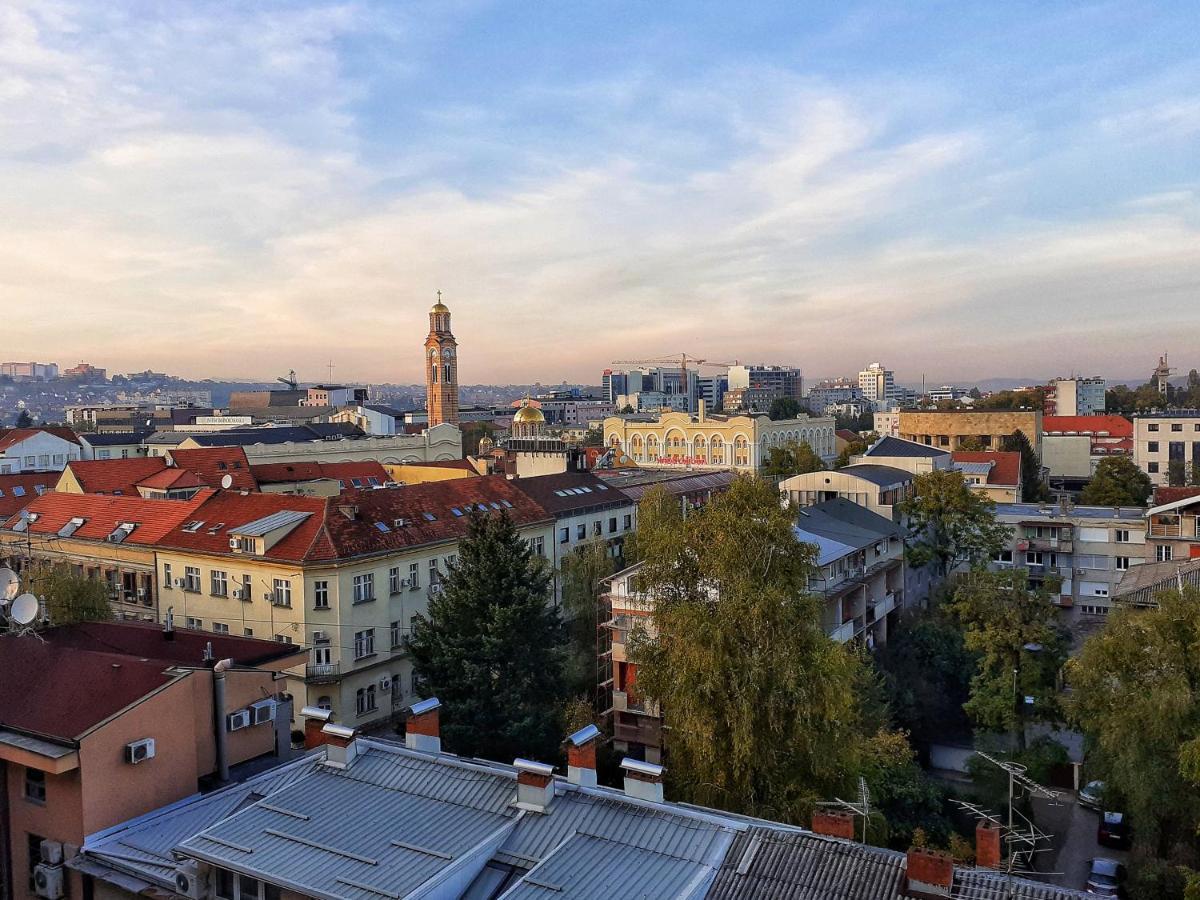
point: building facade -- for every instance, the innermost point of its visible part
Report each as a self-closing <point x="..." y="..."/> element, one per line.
<point x="441" y="367"/>
<point x="37" y="450"/>
<point x="1076" y="397"/>
<point x="874" y="487"/>
<point x="877" y="384"/>
<point x="764" y="384"/>
<point x="1166" y="447"/>
<point x="950" y="429"/>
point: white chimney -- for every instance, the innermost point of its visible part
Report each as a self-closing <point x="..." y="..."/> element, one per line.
<point x="643" y="780"/>
<point x="341" y="745"/>
<point x="535" y="785"/>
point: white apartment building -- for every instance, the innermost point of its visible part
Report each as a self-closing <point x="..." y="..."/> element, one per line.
<point x="1166" y="446"/>
<point x="37" y="450"/>
<point x="877" y="384"/>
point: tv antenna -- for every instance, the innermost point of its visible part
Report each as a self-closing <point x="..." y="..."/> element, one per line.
<point x="861" y="808"/>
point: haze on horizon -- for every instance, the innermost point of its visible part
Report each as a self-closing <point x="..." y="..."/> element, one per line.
<point x="964" y="190"/>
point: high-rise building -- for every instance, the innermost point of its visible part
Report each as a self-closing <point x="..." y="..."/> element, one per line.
<point x="441" y="367"/>
<point x="760" y="385"/>
<point x="1076" y="396"/>
<point x="877" y="384"/>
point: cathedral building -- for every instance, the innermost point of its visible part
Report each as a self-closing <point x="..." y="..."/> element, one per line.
<point x="441" y="367"/>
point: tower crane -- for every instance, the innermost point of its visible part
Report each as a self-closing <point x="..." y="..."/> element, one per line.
<point x="681" y="358"/>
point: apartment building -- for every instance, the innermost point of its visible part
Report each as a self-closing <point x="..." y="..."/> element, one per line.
<point x="104" y="722"/>
<point x="29" y="371"/>
<point x="1088" y="548"/>
<point x="832" y="392"/>
<point x="763" y="384"/>
<point x="995" y="474"/>
<point x="1076" y="396"/>
<point x="877" y="384"/>
<point x="37" y="449"/>
<point x="873" y="487"/>
<point x="1166" y="446"/>
<point x="949" y="429"/>
<point x="1171" y="531"/>
<point x="342" y="575"/>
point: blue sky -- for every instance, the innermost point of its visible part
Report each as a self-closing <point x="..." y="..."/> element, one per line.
<point x="960" y="190"/>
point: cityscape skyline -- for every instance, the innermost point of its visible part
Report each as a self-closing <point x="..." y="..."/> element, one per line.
<point x="817" y="186"/>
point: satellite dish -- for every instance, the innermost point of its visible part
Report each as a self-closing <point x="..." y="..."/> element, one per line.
<point x="226" y="482"/>
<point x="24" y="609"/>
<point x="9" y="584"/>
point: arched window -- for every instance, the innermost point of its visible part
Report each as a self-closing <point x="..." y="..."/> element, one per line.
<point x="324" y="702"/>
<point x="448" y="378"/>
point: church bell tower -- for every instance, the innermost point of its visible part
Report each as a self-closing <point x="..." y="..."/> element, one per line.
<point x="441" y="367"/>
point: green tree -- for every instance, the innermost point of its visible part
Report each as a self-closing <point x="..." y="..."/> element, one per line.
<point x="593" y="437"/>
<point x="70" y="597"/>
<point x="854" y="448"/>
<point x="763" y="712"/>
<point x="626" y="410"/>
<point x="492" y="648"/>
<point x="783" y="408"/>
<point x="1136" y="696"/>
<point x="1032" y="486"/>
<point x="24" y="419"/>
<point x="973" y="443"/>
<point x="1117" y="482"/>
<point x="582" y="574"/>
<point x="951" y="524"/>
<point x="1019" y="646"/>
<point x="792" y="459"/>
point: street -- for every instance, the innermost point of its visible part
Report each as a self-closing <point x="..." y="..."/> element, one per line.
<point x="1074" y="845"/>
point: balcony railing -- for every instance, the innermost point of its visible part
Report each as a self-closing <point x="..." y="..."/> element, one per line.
<point x="322" y="673"/>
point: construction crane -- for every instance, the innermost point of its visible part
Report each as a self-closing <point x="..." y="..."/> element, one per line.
<point x="289" y="380"/>
<point x="680" y="358"/>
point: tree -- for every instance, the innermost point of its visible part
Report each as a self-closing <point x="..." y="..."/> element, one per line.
<point x="582" y="573"/>
<point x="491" y="647"/>
<point x="71" y="597"/>
<point x="1020" y="649"/>
<point x="1032" y="486"/>
<point x="593" y="437"/>
<point x="783" y="408"/>
<point x="951" y="524"/>
<point x="24" y="419"/>
<point x="853" y="448"/>
<point x="761" y="709"/>
<point x="626" y="410"/>
<point x="1117" y="482"/>
<point x="1136" y="695"/>
<point x="792" y="459"/>
<point x="973" y="443"/>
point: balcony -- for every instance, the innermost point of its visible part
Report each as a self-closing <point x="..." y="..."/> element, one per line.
<point x="1174" y="526"/>
<point x="322" y="673"/>
<point x="645" y="731"/>
<point x="622" y="702"/>
<point x="1059" y="545"/>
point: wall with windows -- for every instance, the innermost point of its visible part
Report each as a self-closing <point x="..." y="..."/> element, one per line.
<point x="40" y="452"/>
<point x="1167" y="447"/>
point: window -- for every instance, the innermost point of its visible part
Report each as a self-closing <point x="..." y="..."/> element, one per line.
<point x="365" y="699"/>
<point x="394" y="580"/>
<point x="44" y="461"/>
<point x="191" y="579"/>
<point x="538" y="545"/>
<point x="167" y="576"/>
<point x="397" y="634"/>
<point x="1162" y="553"/>
<point x="247" y="544"/>
<point x="1152" y="468"/>
<point x="433" y="572"/>
<point x="230" y="886"/>
<point x="1004" y="557"/>
<point x="627" y="523"/>
<point x="194" y="623"/>
<point x="1091" y="561"/>
<point x="1122" y="535"/>
<point x="364" y="643"/>
<point x="1122" y="563"/>
<point x="103" y="454"/>
<point x="451" y="561"/>
<point x="612" y="525"/>
<point x="414" y="576"/>
<point x="58" y="459"/>
<point x="320" y="595"/>
<point x="247" y="632"/>
<point x="35" y="785"/>
<point x="581" y="532"/>
<point x="1177" y="426"/>
<point x="564" y="535"/>
<point x="1153" y="426"/>
<point x="364" y="588"/>
<point x="220" y="628"/>
<point x="220" y="584"/>
<point x="322" y="653"/>
<point x="1152" y="447"/>
<point x="1033" y="558"/>
<point x="282" y="595"/>
<point x="597" y="528"/>
<point x="283" y="639"/>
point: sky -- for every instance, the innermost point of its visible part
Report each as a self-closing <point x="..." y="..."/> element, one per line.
<point x="960" y="190"/>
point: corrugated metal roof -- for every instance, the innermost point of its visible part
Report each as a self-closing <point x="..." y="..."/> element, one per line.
<point x="974" y="468"/>
<point x="259" y="527"/>
<point x="898" y="447"/>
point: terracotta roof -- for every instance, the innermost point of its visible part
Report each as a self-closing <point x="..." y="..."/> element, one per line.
<point x="115" y="476"/>
<point x="1165" y="495"/>
<point x="285" y="473"/>
<point x="214" y="463"/>
<point x="11" y="436"/>
<point x="233" y="509"/>
<point x="1006" y="468"/>
<point x="847" y="435"/>
<point x="172" y="479"/>
<point x="17" y="491"/>
<point x="103" y="513"/>
<point x="1117" y="426"/>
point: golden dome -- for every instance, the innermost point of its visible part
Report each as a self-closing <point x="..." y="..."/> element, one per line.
<point x="528" y="415"/>
<point x="440" y="307"/>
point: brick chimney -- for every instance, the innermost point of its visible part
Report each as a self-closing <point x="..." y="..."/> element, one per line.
<point x="930" y="874"/>
<point x="341" y="745"/>
<point x="581" y="756"/>
<point x="833" y="823"/>
<point x="423" y="729"/>
<point x="643" y="780"/>
<point x="314" y="720"/>
<point x="987" y="845"/>
<point x="535" y="785"/>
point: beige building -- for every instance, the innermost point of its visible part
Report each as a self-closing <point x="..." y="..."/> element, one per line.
<point x="951" y="428"/>
<point x="741" y="442"/>
<point x="874" y="487"/>
<point x="1167" y="447"/>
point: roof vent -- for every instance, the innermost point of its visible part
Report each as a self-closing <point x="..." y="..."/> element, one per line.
<point x="643" y="780"/>
<point x="423" y="729"/>
<point x="535" y="785"/>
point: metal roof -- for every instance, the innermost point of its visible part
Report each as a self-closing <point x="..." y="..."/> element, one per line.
<point x="1054" y="511"/>
<point x="898" y="447"/>
<point x="883" y="476"/>
<point x="1140" y="583"/>
<point x="266" y="524"/>
<point x="974" y="468"/>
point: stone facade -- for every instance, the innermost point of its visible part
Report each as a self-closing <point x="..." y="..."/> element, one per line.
<point x="948" y="430"/>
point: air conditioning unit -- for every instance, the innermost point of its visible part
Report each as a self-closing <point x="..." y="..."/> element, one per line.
<point x="139" y="751"/>
<point x="239" y="594"/>
<point x="48" y="881"/>
<point x="236" y="721"/>
<point x="262" y="712"/>
<point x="1079" y="573"/>
<point x="319" y="637"/>
<point x="190" y="881"/>
<point x="385" y="683"/>
<point x="178" y="582"/>
<point x="52" y="853"/>
<point x="234" y="544"/>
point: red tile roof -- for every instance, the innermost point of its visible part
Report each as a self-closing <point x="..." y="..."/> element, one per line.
<point x="115" y="476"/>
<point x="234" y="509"/>
<point x="213" y="463"/>
<point x="1007" y="465"/>
<point x="847" y="435"/>
<point x="27" y="485"/>
<point x="1165" y="495"/>
<point x="286" y="473"/>
<point x="147" y="641"/>
<point x="172" y="479"/>
<point x="1116" y="426"/>
<point x="103" y="513"/>
<point x="12" y="436"/>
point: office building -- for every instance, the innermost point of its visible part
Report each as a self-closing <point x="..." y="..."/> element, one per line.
<point x="877" y="384"/>
<point x="1166" y="446"/>
<point x="1075" y="397"/>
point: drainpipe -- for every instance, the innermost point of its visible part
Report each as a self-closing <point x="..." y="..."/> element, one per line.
<point x="219" y="718"/>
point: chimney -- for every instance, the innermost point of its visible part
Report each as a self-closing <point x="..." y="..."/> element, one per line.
<point x="581" y="756"/>
<point x="423" y="729"/>
<point x="314" y="720"/>
<point x="535" y="785"/>
<point x="643" y="780"/>
<point x="219" y="724"/>
<point x="987" y="845"/>
<point x="930" y="874"/>
<point x="833" y="823"/>
<point x="340" y="745"/>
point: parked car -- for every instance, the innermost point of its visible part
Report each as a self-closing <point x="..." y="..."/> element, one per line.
<point x="1106" y="877"/>
<point x="1092" y="794"/>
<point x="1113" y="831"/>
